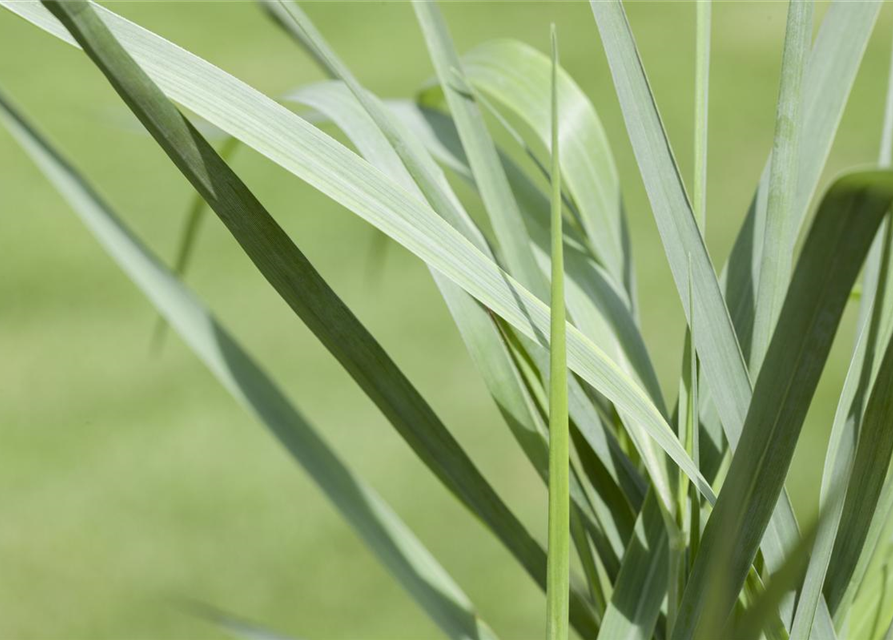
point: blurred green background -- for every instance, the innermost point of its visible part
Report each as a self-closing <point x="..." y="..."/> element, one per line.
<point x="129" y="481"/>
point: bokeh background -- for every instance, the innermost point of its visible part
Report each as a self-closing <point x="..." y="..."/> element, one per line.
<point x="130" y="480"/>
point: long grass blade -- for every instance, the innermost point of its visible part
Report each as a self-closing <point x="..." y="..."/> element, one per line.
<point x="299" y="284"/>
<point x="559" y="438"/>
<point x="424" y="179"/>
<point x="502" y="207"/>
<point x="311" y="155"/>
<point x="593" y="301"/>
<point x="379" y="527"/>
<point x="641" y="586"/>
<point x="830" y="72"/>
<point x="188" y="240"/>
<point x="483" y="338"/>
<point x="763" y="611"/>
<point x="872" y="460"/>
<point x="703" y="10"/>
<point x="433" y="187"/>
<point x="845" y="432"/>
<point x="780" y="230"/>
<point x="513" y="73"/>
<point x="835" y="249"/>
<point x="721" y="359"/>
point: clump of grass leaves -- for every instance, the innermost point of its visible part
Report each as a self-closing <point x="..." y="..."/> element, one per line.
<point x="679" y="518"/>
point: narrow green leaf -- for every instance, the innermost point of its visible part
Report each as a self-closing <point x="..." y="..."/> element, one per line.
<point x="780" y="230"/>
<point x="641" y="586"/>
<point x="195" y="213"/>
<point x="417" y="173"/>
<point x="836" y="246"/>
<point x="311" y="155"/>
<point x="514" y="73"/>
<point x="559" y="439"/>
<point x="379" y="527"/>
<point x="720" y="356"/>
<point x="830" y="73"/>
<point x="594" y="302"/>
<point x="872" y="460"/>
<point x="426" y="181"/>
<point x="290" y="273"/>
<point x="504" y="213"/>
<point x="482" y="336"/>
<point x="702" y="99"/>
<point x="845" y="432"/>
<point x="763" y="612"/>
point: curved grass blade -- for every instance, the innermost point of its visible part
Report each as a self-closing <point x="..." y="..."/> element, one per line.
<point x="502" y="207"/>
<point x="316" y="158"/>
<point x="590" y="292"/>
<point x="503" y="210"/>
<point x="483" y="338"/>
<point x="721" y="358"/>
<point x="781" y="227"/>
<point x="434" y="188"/>
<point x="379" y="527"/>
<point x="514" y="73"/>
<point x="838" y="242"/>
<point x="424" y="179"/>
<point x="763" y="611"/>
<point x="559" y="439"/>
<point x="286" y="268"/>
<point x="872" y="460"/>
<point x="850" y="410"/>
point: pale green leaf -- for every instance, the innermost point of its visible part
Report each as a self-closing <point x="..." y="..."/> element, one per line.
<point x="835" y="249"/>
<point x="294" y="144"/>
<point x="559" y="438"/>
<point x="379" y="527"/>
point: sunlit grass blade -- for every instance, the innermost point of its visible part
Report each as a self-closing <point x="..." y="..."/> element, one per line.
<point x="875" y="309"/>
<point x="720" y="356"/>
<point x="593" y="301"/>
<point x="872" y="608"/>
<point x="434" y="188"/>
<point x="786" y="579"/>
<point x="702" y="100"/>
<point x="559" y="439"/>
<point x="513" y="73"/>
<point x="687" y="427"/>
<point x="641" y="586"/>
<point x="286" y="268"/>
<point x="482" y="337"/>
<point x="492" y="182"/>
<point x="316" y="158"/>
<point x="781" y="226"/>
<point x="503" y="211"/>
<point x="186" y="244"/>
<point x="872" y="460"/>
<point x="834" y="251"/>
<point x="830" y="72"/>
<point x="379" y="527"/>
<point x="595" y="297"/>
<point x="420" y="176"/>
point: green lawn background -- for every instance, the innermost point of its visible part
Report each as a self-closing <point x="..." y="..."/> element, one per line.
<point x="129" y="482"/>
